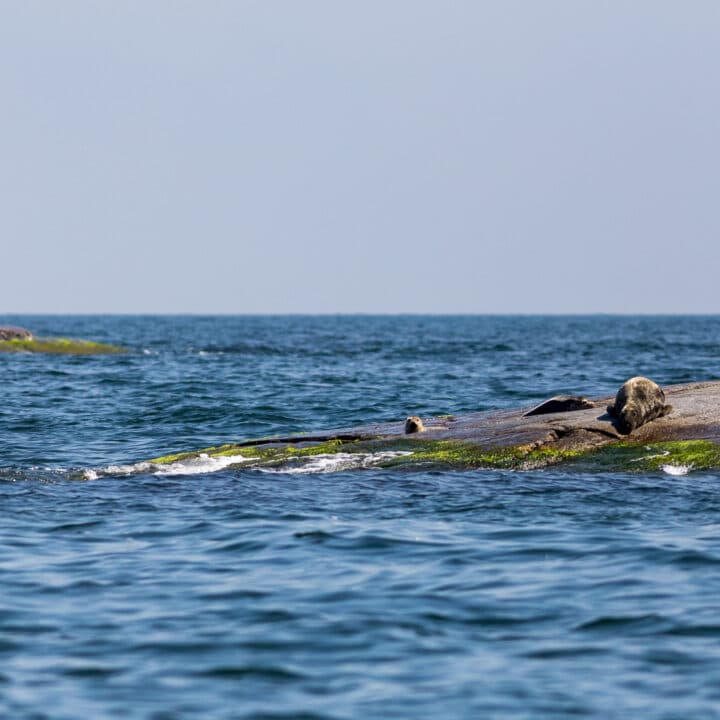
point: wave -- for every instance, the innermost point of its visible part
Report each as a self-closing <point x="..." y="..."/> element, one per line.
<point x="334" y="462"/>
<point x="194" y="466"/>
<point x="204" y="464"/>
<point x="677" y="469"/>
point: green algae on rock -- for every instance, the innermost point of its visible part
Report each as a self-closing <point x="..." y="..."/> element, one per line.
<point x="467" y="455"/>
<point x="58" y="346"/>
<point x="264" y="453"/>
<point x="680" y="456"/>
<point x="675" y="457"/>
<point x="391" y="454"/>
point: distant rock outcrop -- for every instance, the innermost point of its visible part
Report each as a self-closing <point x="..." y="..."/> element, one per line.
<point x="20" y="340"/>
<point x="8" y="332"/>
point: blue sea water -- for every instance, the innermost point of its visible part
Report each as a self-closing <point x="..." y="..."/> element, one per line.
<point x="366" y="593"/>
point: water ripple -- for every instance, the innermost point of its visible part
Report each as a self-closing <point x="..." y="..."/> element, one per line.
<point x="226" y="592"/>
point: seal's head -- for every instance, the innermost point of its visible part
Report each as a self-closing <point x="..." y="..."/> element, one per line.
<point x="630" y="417"/>
<point x="414" y="424"/>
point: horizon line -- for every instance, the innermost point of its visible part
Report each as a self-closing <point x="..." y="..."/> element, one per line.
<point x="361" y="314"/>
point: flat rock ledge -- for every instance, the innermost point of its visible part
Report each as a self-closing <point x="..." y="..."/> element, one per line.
<point x="688" y="438"/>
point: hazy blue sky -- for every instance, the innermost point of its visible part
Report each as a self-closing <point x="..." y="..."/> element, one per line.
<point x="389" y="156"/>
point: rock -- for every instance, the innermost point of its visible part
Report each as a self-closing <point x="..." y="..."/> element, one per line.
<point x="687" y="438"/>
<point x="20" y="340"/>
<point x="8" y="332"/>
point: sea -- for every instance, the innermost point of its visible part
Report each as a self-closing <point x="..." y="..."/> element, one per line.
<point x="320" y="592"/>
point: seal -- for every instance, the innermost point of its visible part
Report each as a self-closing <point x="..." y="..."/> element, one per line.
<point x="637" y="402"/>
<point x="414" y="424"/>
<point x="561" y="403"/>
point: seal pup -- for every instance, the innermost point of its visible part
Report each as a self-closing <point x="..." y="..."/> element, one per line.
<point x="414" y="424"/>
<point x="637" y="402"/>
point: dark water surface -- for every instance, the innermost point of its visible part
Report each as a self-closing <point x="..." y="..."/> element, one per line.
<point x="367" y="593"/>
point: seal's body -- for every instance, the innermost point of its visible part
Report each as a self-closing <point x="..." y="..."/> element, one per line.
<point x="638" y="402"/>
<point x="414" y="424"/>
<point x="561" y="403"/>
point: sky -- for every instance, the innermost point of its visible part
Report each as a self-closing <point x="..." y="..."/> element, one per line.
<point x="374" y="156"/>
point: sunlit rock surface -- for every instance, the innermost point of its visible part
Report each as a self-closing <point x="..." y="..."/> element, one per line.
<point x="688" y="438"/>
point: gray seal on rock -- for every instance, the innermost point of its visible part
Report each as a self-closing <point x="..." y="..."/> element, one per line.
<point x="637" y="402"/>
<point x="414" y="424"/>
<point x="8" y="332"/>
<point x="561" y="403"/>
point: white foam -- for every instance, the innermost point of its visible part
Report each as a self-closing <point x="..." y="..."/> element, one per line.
<point x="677" y="469"/>
<point x="326" y="463"/>
<point x="201" y="464"/>
<point x="135" y="469"/>
<point x="110" y="470"/>
<point x="194" y="466"/>
<point x="662" y="453"/>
